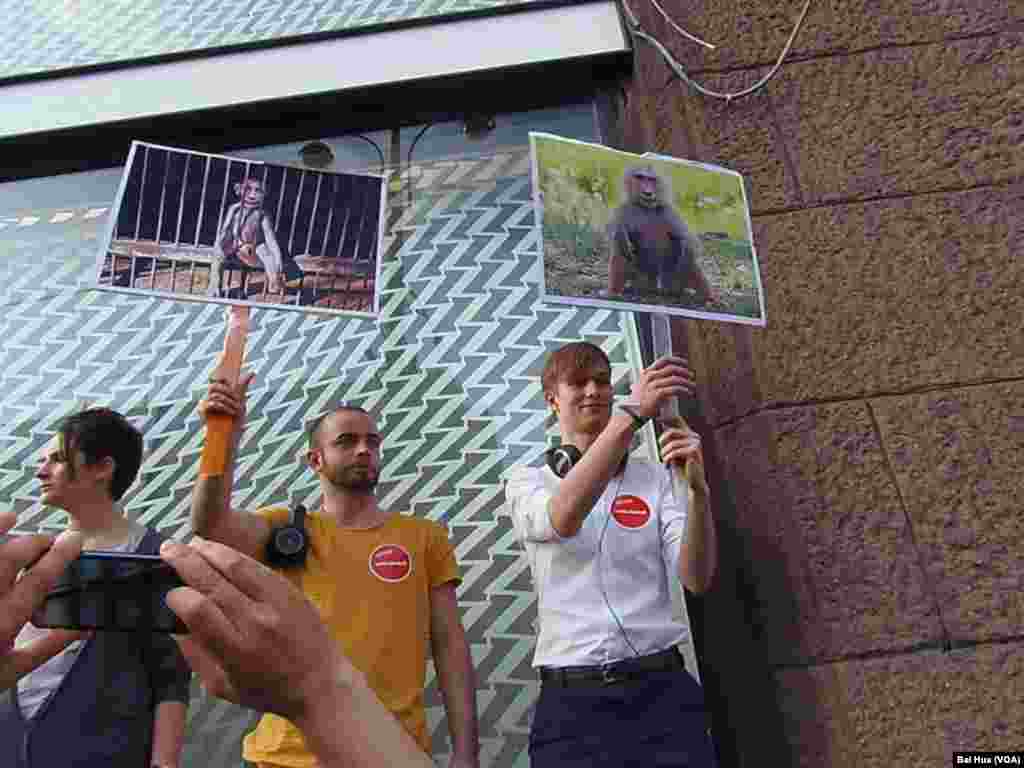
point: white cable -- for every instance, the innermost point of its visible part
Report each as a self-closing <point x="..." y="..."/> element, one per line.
<point x="677" y="68"/>
<point x="679" y="29"/>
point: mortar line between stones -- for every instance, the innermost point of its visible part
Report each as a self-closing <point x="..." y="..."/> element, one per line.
<point x="841" y="201"/>
<point x="929" y="586"/>
<point x="909" y="650"/>
<point x="796" y="57"/>
<point x="880" y="653"/>
<point x="781" y="405"/>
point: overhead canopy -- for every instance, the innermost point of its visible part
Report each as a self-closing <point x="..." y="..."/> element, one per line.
<point x="464" y="46"/>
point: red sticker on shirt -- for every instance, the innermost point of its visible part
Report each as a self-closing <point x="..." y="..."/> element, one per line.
<point x="390" y="563"/>
<point x="631" y="511"/>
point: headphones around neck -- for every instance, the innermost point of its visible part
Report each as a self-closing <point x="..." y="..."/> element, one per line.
<point x="289" y="543"/>
<point x="563" y="458"/>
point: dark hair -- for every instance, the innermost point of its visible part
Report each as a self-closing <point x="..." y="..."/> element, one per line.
<point x="99" y="433"/>
<point x="577" y="356"/>
<point x="314" y="426"/>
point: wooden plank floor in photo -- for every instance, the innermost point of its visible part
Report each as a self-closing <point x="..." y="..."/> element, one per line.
<point x="327" y="282"/>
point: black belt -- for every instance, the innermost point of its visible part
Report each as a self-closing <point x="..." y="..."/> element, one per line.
<point x="622" y="671"/>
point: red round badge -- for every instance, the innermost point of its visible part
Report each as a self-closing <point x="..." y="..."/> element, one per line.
<point x="631" y="511"/>
<point x="390" y="563"/>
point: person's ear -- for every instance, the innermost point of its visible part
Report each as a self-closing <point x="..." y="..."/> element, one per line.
<point x="238" y="188"/>
<point x="550" y="400"/>
<point x="314" y="459"/>
<point x="104" y="471"/>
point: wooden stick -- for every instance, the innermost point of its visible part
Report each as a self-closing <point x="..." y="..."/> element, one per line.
<point x="219" y="427"/>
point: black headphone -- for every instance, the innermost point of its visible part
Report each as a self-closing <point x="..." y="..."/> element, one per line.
<point x="289" y="543"/>
<point x="563" y="458"/>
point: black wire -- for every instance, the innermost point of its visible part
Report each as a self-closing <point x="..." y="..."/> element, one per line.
<point x="374" y="144"/>
<point x="412" y="146"/>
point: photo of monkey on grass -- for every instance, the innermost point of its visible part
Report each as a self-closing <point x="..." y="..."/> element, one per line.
<point x="644" y="232"/>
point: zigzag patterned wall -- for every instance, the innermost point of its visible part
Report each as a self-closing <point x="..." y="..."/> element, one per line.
<point x="44" y="35"/>
<point x="452" y="367"/>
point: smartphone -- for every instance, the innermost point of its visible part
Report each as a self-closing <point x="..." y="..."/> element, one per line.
<point x="112" y="591"/>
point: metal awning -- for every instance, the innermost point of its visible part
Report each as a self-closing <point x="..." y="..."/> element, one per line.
<point x="456" y="47"/>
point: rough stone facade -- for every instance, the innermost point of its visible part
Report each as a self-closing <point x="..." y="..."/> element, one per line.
<point x="866" y="445"/>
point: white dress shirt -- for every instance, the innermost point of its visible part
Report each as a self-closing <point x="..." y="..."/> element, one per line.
<point x="588" y="585"/>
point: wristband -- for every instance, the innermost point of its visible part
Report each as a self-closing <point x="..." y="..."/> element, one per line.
<point x="638" y="420"/>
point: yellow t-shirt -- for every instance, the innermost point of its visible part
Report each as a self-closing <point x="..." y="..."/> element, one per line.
<point x="372" y="588"/>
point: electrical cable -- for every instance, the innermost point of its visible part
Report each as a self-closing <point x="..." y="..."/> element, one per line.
<point x="600" y="566"/>
<point x="679" y="29"/>
<point x="637" y="32"/>
<point x="371" y="142"/>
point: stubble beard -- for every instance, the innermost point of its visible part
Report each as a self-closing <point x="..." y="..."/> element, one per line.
<point x="356" y="483"/>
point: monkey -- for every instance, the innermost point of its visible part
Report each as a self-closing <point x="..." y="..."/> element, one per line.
<point x="246" y="236"/>
<point x="647" y="234"/>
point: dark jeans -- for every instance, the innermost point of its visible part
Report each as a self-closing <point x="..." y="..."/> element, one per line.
<point x="657" y="722"/>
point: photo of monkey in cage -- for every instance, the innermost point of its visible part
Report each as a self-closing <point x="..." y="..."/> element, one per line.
<point x="644" y="232"/>
<point x="204" y="227"/>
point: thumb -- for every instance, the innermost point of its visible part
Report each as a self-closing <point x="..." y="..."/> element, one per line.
<point x="245" y="381"/>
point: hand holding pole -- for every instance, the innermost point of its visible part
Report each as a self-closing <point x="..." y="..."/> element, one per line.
<point x="219" y="426"/>
<point x="683" y="478"/>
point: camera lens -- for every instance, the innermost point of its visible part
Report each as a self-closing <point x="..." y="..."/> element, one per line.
<point x="289" y="541"/>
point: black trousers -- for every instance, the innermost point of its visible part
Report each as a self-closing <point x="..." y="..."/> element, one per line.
<point x="656" y="722"/>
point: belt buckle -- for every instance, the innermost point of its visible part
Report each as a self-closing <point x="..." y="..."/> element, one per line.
<point x="609" y="676"/>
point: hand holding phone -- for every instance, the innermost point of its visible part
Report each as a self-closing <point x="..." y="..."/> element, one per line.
<point x="114" y="592"/>
<point x="18" y="596"/>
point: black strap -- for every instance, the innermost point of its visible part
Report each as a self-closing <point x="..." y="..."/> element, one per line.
<point x="622" y="671"/>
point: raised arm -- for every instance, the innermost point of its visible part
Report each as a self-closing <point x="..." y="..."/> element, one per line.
<point x="19" y="597"/>
<point x="212" y="515"/>
<point x="583" y="486"/>
<point x="698" y="548"/>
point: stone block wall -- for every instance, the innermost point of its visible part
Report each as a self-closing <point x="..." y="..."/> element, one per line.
<point x="867" y="446"/>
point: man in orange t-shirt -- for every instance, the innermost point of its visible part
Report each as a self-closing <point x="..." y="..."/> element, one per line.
<point x="383" y="582"/>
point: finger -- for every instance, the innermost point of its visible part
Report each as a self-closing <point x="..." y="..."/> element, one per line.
<point x="244" y="382"/>
<point x="252" y="578"/>
<point x="680" y="448"/>
<point x="196" y="571"/>
<point x="677" y="433"/>
<point x="25" y="658"/>
<point x="224" y="388"/>
<point x="668" y="360"/>
<point x="208" y="625"/>
<point x="223" y="394"/>
<point x="665" y="379"/>
<point x="205" y="666"/>
<point x="668" y="367"/>
<point x="7" y="521"/>
<point x="676" y="438"/>
<point x="30" y="591"/>
<point x="220" y="404"/>
<point x="680" y="457"/>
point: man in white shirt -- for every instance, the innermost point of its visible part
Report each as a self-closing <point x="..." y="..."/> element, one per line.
<point x="604" y="535"/>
